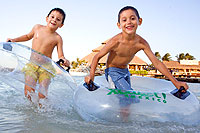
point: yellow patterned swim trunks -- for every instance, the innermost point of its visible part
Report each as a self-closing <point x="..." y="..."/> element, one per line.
<point x="39" y="73"/>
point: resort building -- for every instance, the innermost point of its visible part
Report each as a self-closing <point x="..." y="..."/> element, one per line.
<point x="184" y="68"/>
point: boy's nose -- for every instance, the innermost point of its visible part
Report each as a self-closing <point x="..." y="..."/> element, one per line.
<point x="54" y="19"/>
<point x="128" y="21"/>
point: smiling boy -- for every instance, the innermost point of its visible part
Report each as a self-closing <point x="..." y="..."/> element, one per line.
<point x="45" y="39"/>
<point x="122" y="49"/>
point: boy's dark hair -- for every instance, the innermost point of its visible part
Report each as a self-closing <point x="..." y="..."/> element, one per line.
<point x="60" y="11"/>
<point x="127" y="8"/>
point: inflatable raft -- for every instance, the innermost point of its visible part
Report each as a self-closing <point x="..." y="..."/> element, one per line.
<point x="154" y="101"/>
<point x="14" y="58"/>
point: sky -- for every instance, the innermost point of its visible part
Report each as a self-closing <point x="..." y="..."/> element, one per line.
<point x="169" y="26"/>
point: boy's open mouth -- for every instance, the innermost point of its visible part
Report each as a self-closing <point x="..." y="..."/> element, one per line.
<point x="129" y="27"/>
<point x="53" y="23"/>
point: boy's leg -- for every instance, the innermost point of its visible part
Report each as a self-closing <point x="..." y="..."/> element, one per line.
<point x="29" y="81"/>
<point x="45" y="79"/>
<point x="30" y="71"/>
<point x="43" y="88"/>
<point x="27" y="91"/>
<point x="124" y="101"/>
<point x="121" y="80"/>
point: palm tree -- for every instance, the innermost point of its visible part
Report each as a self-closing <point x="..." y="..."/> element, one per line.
<point x="166" y="57"/>
<point x="186" y="56"/>
<point x="157" y="54"/>
<point x="181" y="56"/>
<point x="78" y="63"/>
<point x="74" y="64"/>
<point x="189" y="57"/>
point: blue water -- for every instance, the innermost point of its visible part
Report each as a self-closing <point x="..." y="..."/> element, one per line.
<point x="17" y="114"/>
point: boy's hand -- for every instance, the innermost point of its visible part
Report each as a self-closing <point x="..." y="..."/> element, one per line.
<point x="184" y="84"/>
<point x="87" y="79"/>
<point x="9" y="40"/>
<point x="66" y="63"/>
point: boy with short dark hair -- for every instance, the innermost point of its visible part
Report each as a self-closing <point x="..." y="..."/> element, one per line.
<point x="45" y="39"/>
<point x="122" y="48"/>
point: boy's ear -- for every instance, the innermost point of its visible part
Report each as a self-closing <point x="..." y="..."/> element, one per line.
<point x="140" y="21"/>
<point x="61" y="25"/>
<point x="118" y="24"/>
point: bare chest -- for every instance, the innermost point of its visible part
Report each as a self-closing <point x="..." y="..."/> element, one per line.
<point x="126" y="50"/>
<point x="44" y="43"/>
<point x="44" y="39"/>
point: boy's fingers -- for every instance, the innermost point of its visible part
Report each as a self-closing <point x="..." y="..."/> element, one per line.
<point x="186" y="86"/>
<point x="87" y="79"/>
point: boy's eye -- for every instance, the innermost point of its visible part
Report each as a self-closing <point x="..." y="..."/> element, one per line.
<point x="58" y="19"/>
<point x="132" y="18"/>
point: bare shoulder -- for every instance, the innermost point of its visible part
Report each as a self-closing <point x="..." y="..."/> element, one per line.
<point x="114" y="40"/>
<point x="58" y="38"/>
<point x="143" y="43"/>
<point x="37" y="26"/>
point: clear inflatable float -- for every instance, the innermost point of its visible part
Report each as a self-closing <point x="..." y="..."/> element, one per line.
<point x="155" y="102"/>
<point x="14" y="58"/>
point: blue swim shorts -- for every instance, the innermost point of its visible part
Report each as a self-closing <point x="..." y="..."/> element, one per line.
<point x="121" y="79"/>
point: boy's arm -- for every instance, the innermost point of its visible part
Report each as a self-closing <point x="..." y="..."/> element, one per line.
<point x="25" y="37"/>
<point x="162" y="68"/>
<point x="61" y="53"/>
<point x="96" y="59"/>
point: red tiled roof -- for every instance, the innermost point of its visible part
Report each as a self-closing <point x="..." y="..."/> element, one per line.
<point x="176" y="64"/>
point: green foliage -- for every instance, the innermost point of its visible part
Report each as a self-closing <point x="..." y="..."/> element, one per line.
<point x="140" y="72"/>
<point x="167" y="57"/>
<point x="77" y="63"/>
<point x="183" y="56"/>
<point x="157" y="54"/>
<point x="189" y="57"/>
<point x="74" y="64"/>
